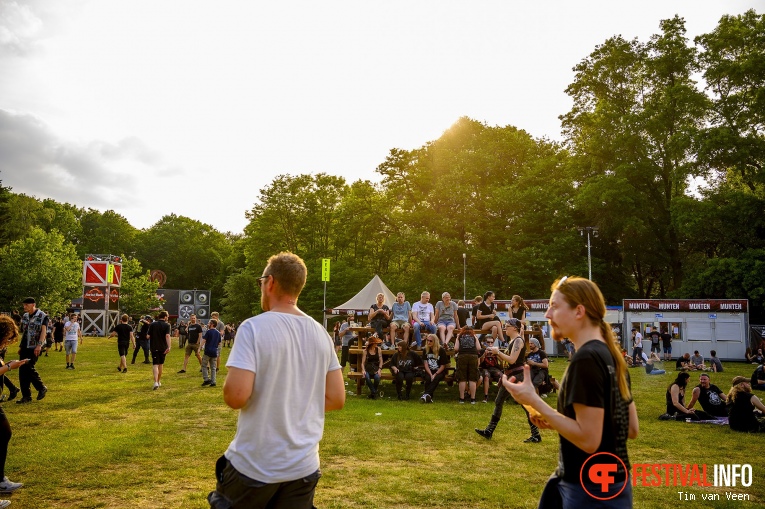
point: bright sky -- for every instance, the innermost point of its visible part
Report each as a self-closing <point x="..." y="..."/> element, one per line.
<point x="189" y="107"/>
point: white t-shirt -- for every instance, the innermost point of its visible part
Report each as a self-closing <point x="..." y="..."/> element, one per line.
<point x="423" y="311"/>
<point x="279" y="429"/>
<point x="638" y="340"/>
<point x="71" y="334"/>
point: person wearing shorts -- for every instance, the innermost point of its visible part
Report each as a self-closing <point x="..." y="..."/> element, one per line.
<point x="194" y="332"/>
<point x="125" y="338"/>
<point x="159" y="345"/>
<point x="467" y="348"/>
<point x="73" y="334"/>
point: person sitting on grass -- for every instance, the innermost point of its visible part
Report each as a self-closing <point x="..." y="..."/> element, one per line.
<point x="371" y="365"/>
<point x="698" y="361"/>
<point x="436" y="365"/>
<point x="488" y="368"/>
<point x="683" y="363"/>
<point x="711" y="397"/>
<point x="402" y="366"/>
<point x="714" y="363"/>
<point x="675" y="396"/>
<point x="744" y="408"/>
<point x="650" y="364"/>
<point x="757" y="380"/>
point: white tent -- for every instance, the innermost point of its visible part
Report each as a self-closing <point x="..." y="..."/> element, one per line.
<point x="363" y="300"/>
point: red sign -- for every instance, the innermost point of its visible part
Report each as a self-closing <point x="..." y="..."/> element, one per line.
<point x="95" y="273"/>
<point x="114" y="295"/>
<point x="94" y="294"/>
<point x="701" y="305"/>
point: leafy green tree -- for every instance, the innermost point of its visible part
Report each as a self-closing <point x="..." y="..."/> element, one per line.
<point x="42" y="265"/>
<point x="192" y="254"/>
<point x="138" y="293"/>
<point x="636" y="114"/>
<point x="734" y="71"/>
<point x="106" y="233"/>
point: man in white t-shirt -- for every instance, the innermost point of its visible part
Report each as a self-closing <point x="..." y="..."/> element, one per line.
<point x="637" y="347"/>
<point x="72" y="334"/>
<point x="283" y="375"/>
<point x="422" y="314"/>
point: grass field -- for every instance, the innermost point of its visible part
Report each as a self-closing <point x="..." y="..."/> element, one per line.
<point x="103" y="439"/>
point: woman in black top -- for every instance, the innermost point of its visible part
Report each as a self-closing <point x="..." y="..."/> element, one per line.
<point x="402" y="366"/>
<point x="741" y="407"/>
<point x="487" y="317"/>
<point x="371" y="365"/>
<point x="516" y="359"/>
<point x="675" y="398"/>
<point x="596" y="413"/>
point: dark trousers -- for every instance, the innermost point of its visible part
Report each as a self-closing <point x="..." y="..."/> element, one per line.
<point x="637" y="355"/>
<point x="9" y="384"/>
<point x="5" y="437"/>
<point x="499" y="402"/>
<point x="237" y="491"/>
<point x="28" y="375"/>
<point x="344" y="355"/>
<point x="141" y="343"/>
<point x="400" y="378"/>
<point x="433" y="384"/>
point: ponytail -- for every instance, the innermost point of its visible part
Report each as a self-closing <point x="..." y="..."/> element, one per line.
<point x="619" y="362"/>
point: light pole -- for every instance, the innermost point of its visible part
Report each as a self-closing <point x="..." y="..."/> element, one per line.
<point x="594" y="231"/>
<point x="464" y="275"/>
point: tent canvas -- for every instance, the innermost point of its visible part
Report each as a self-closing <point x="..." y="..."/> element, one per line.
<point x="363" y="300"/>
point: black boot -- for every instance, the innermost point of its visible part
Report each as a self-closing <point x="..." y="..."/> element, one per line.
<point x="489" y="431"/>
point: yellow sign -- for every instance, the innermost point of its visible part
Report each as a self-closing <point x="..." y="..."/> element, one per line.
<point x="110" y="278"/>
<point x="325" y="269"/>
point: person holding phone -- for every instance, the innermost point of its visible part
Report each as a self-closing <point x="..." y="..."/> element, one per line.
<point x="8" y="333"/>
<point x="595" y="411"/>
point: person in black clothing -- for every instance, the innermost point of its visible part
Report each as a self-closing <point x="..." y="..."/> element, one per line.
<point x="379" y="318"/>
<point x="436" y="366"/>
<point x="666" y="344"/>
<point x="675" y="399"/>
<point x="125" y="337"/>
<point x="757" y="381"/>
<point x="58" y="334"/>
<point x="182" y="334"/>
<point x="159" y="342"/>
<point x="711" y="397"/>
<point x="402" y="366"/>
<point x="34" y="328"/>
<point x="516" y="359"/>
<point x="742" y="405"/>
<point x="8" y="334"/>
<point x="467" y="347"/>
<point x="595" y="408"/>
<point x="142" y="341"/>
<point x="194" y="331"/>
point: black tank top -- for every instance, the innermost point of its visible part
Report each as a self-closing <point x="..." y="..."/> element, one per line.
<point x="521" y="360"/>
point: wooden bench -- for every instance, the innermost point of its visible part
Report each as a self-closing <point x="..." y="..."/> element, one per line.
<point x="385" y="374"/>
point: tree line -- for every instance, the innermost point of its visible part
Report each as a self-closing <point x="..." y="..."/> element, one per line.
<point x="663" y="152"/>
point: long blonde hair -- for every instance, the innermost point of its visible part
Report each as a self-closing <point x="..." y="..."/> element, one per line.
<point x="577" y="290"/>
<point x="737" y="388"/>
<point x="435" y="349"/>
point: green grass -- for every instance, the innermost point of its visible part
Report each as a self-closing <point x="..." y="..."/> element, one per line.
<point x="103" y="439"/>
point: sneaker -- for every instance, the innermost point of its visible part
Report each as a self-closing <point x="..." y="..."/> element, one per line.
<point x="472" y="401"/>
<point x="13" y="393"/>
<point x="132" y="362"/>
<point x="41" y="394"/>
<point x="533" y="439"/>
<point x="182" y="371"/>
<point x="462" y="401"/>
<point x="544" y="395"/>
<point x="71" y="366"/>
<point x="428" y="398"/>
<point x="6" y="486"/>
<point x="119" y="369"/>
<point x="124" y="370"/>
<point x="156" y="385"/>
<point x="206" y="382"/>
<point x="24" y="400"/>
<point x="422" y="398"/>
<point x="486" y="399"/>
<point x="4" y="503"/>
<point x="146" y="362"/>
<point x="213" y="384"/>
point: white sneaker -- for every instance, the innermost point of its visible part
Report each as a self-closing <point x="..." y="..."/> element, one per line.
<point x="4" y="503"/>
<point x="156" y="385"/>
<point x="6" y="486"/>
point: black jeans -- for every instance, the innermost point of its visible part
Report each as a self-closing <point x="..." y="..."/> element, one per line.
<point x="400" y="378"/>
<point x="28" y="375"/>
<point x="433" y="384"/>
<point x="141" y="343"/>
<point x="235" y="490"/>
<point x="5" y="437"/>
